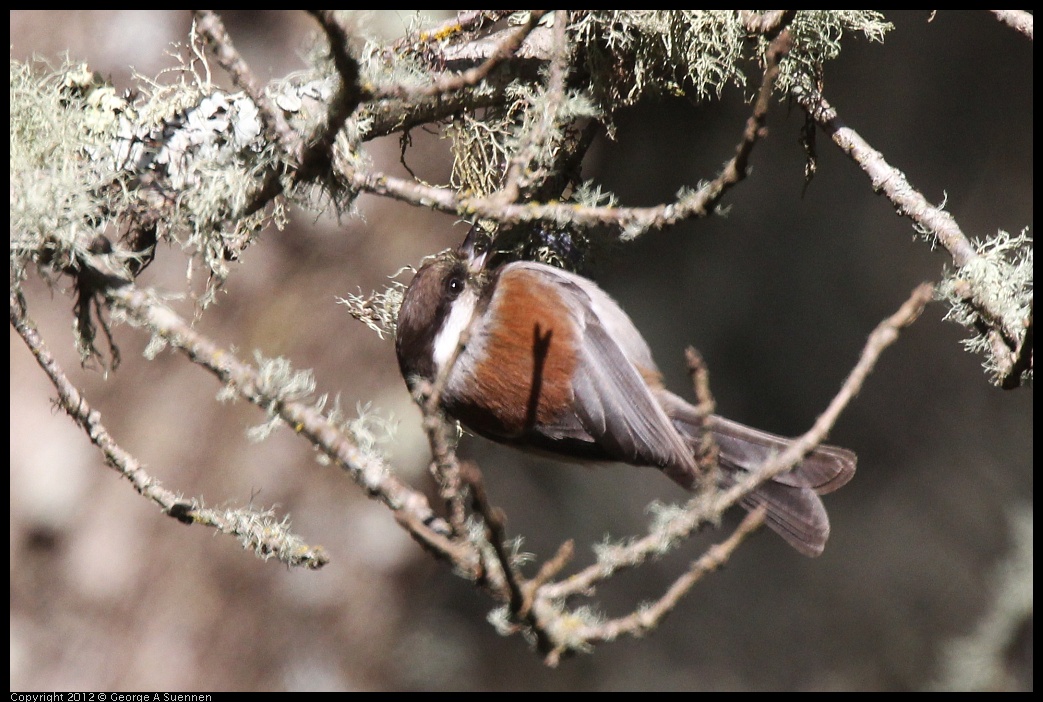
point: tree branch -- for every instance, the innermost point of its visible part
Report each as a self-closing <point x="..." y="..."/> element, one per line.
<point x="368" y="472"/>
<point x="1007" y="334"/>
<point x="257" y="531"/>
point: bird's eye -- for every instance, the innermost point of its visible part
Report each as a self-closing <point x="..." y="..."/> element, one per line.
<point x="454" y="286"/>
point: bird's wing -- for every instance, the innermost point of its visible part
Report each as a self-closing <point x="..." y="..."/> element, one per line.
<point x="613" y="402"/>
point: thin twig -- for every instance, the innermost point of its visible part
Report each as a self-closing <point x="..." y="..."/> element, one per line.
<point x="736" y="169"/>
<point x="515" y="586"/>
<point x="520" y="174"/>
<point x="694" y="204"/>
<point x="316" y="155"/>
<point x="648" y="617"/>
<point x="446" y="466"/>
<point x="496" y="534"/>
<point x="550" y="569"/>
<point x="706" y="450"/>
<point x="705" y="404"/>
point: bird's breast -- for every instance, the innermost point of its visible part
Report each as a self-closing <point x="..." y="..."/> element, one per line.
<point x="521" y="357"/>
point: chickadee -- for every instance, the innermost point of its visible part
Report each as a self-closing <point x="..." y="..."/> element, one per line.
<point x="543" y="359"/>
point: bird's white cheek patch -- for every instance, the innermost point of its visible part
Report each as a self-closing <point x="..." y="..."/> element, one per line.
<point x="455" y="325"/>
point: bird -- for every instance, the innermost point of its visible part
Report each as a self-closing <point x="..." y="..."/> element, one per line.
<point x="536" y="357"/>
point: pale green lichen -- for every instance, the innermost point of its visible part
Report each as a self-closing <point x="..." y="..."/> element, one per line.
<point x="999" y="279"/>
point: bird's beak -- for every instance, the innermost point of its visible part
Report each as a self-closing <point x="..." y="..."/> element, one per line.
<point x="475" y="250"/>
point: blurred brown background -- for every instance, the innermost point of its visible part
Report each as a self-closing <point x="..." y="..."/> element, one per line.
<point x="779" y="295"/>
